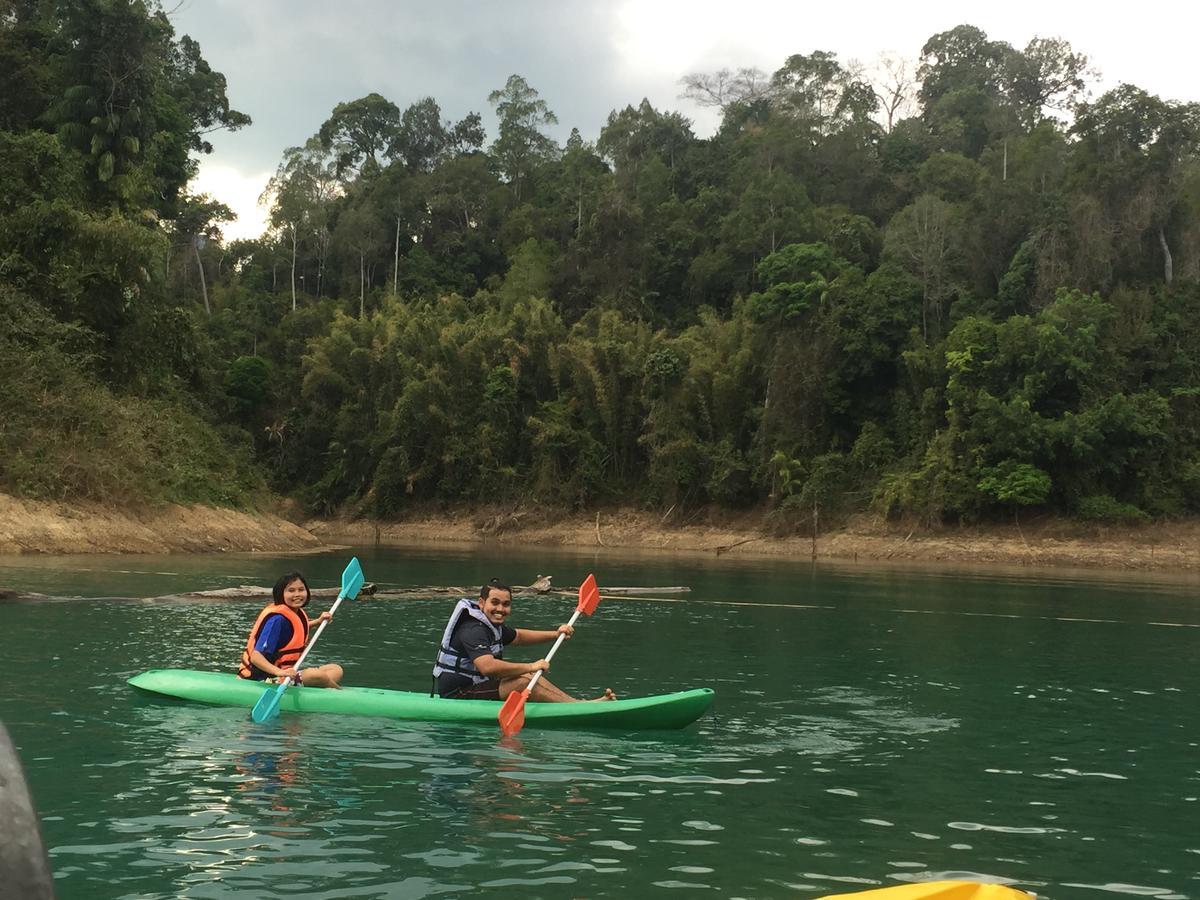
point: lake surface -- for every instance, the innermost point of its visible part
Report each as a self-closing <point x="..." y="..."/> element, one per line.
<point x="871" y="727"/>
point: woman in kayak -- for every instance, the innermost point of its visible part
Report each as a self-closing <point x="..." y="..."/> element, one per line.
<point x="278" y="638"/>
<point x="470" y="663"/>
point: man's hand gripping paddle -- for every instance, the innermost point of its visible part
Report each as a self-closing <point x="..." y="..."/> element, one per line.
<point x="512" y="713"/>
<point x="267" y="706"/>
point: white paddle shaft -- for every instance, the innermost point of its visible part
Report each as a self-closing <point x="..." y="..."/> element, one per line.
<point x="553" y="650"/>
<point x="313" y="640"/>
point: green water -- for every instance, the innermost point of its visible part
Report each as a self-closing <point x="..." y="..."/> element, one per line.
<point x="871" y="727"/>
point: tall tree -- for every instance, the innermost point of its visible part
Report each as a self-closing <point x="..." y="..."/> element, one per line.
<point x="894" y="84"/>
<point x="962" y="58"/>
<point x="298" y="193"/>
<point x="134" y="101"/>
<point x="198" y="222"/>
<point x="963" y="75"/>
<point x="421" y="137"/>
<point x="424" y="139"/>
<point x="1047" y="74"/>
<point x="362" y="232"/>
<point x="359" y="133"/>
<point x="1136" y="150"/>
<point x="922" y="239"/>
<point x="522" y="146"/>
<point x="632" y="137"/>
<point x="25" y="84"/>
<point x="819" y="94"/>
<point x="725" y="88"/>
<point x="582" y="171"/>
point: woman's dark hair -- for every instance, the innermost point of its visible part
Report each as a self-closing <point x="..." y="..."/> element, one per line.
<point x="284" y="581"/>
<point x="494" y="584"/>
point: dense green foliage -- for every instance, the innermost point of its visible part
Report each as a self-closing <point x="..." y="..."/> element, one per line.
<point x="105" y="371"/>
<point x="984" y="306"/>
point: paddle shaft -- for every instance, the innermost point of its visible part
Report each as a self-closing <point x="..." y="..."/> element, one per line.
<point x="553" y="650"/>
<point x="313" y="642"/>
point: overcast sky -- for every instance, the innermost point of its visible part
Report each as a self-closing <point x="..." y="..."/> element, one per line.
<point x="289" y="62"/>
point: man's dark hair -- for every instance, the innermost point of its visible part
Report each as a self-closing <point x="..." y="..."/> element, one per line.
<point x="494" y="584"/>
<point x="284" y="581"/>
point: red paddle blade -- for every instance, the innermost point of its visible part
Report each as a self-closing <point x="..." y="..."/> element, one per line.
<point x="512" y="713"/>
<point x="589" y="596"/>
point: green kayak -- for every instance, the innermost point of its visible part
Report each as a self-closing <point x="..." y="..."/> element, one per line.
<point x="224" y="689"/>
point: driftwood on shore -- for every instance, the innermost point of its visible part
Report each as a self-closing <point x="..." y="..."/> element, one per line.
<point x="725" y="548"/>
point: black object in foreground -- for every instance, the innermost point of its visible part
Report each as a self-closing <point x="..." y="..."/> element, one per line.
<point x="24" y="868"/>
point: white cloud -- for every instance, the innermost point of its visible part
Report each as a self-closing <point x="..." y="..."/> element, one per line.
<point x="666" y="39"/>
<point x="237" y="191"/>
<point x="658" y="42"/>
<point x="289" y="62"/>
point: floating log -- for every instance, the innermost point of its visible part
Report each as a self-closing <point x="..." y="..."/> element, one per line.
<point x="9" y="594"/>
<point x="252" y="592"/>
<point x="642" y="590"/>
<point x="258" y="592"/>
<point x="248" y="590"/>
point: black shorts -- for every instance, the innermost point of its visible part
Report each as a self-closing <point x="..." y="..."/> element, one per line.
<point x="485" y="690"/>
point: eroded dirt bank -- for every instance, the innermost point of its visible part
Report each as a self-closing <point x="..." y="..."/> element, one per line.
<point x="28" y="526"/>
<point x="1172" y="546"/>
<point x="47" y="527"/>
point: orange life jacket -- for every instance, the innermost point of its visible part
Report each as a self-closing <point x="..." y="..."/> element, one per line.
<point x="287" y="654"/>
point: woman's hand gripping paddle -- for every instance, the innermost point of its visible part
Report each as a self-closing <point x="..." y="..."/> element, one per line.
<point x="267" y="706"/>
<point x="512" y="713"/>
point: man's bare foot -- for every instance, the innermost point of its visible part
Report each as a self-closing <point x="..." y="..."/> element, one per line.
<point x="608" y="695"/>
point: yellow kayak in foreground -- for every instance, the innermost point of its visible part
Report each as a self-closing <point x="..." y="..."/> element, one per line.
<point x="938" y="890"/>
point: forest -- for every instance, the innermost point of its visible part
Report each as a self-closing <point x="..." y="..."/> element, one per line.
<point x="961" y="288"/>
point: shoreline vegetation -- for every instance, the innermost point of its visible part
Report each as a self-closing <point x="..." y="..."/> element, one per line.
<point x="46" y="527"/>
<point x="964" y="295"/>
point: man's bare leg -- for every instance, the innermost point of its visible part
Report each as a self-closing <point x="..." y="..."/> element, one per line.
<point x="545" y="691"/>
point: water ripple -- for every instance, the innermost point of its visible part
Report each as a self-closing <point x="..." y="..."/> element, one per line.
<point x="1136" y="890"/>
<point x="1003" y="829"/>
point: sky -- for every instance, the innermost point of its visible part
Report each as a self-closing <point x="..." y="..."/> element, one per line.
<point x="289" y="62"/>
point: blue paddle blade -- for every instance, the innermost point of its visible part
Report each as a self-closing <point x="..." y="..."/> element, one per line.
<point x="352" y="579"/>
<point x="267" y="706"/>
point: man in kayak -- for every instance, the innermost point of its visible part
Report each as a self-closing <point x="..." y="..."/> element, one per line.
<point x="470" y="664"/>
<point x="278" y="638"/>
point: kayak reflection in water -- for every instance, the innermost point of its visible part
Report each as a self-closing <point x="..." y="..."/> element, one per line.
<point x="273" y="775"/>
<point x="470" y="663"/>
<point x="278" y="638"/>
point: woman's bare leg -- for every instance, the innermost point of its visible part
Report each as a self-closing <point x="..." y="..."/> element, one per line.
<point x="326" y="676"/>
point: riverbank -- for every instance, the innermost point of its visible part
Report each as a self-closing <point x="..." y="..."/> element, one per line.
<point x="28" y="526"/>
<point x="34" y="526"/>
<point x="1048" y="542"/>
